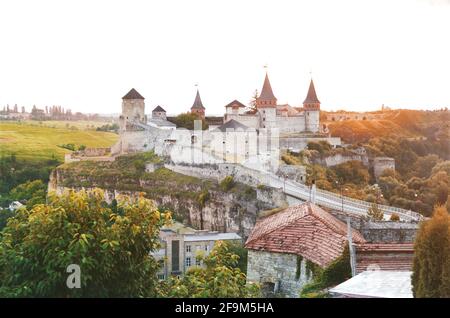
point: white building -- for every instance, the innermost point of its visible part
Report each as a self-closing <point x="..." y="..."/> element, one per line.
<point x="182" y="248"/>
<point x="269" y="114"/>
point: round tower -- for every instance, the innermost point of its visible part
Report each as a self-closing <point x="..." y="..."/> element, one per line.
<point x="266" y="104"/>
<point x="311" y="106"/>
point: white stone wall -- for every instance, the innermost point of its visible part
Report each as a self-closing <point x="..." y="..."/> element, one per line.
<point x="251" y="121"/>
<point x="300" y="143"/>
<point x="312" y="120"/>
<point x="220" y="171"/>
<point x="290" y="124"/>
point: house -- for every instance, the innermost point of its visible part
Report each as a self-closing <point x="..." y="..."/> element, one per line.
<point x="180" y="246"/>
<point x="284" y="247"/>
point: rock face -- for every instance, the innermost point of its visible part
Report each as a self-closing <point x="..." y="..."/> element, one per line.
<point x="235" y="210"/>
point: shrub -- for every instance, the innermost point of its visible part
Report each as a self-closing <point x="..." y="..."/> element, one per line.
<point x="375" y="213"/>
<point x="227" y="183"/>
<point x="395" y="217"/>
<point x="337" y="272"/>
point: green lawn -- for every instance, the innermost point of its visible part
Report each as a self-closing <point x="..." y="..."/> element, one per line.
<point x="31" y="140"/>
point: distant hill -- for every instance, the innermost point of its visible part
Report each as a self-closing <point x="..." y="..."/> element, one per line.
<point x="401" y="123"/>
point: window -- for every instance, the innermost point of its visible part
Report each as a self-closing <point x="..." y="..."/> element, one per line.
<point x="198" y="262"/>
<point x="188" y="262"/>
<point x="175" y="255"/>
<point x="161" y="276"/>
<point x="188" y="248"/>
<point x="206" y="248"/>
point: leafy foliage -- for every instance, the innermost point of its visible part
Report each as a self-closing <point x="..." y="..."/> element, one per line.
<point x="220" y="279"/>
<point x="431" y="267"/>
<point x="14" y="171"/>
<point x="29" y="193"/>
<point x="186" y="120"/>
<point x="112" y="249"/>
<point x="322" y="146"/>
<point x="375" y="213"/>
<point x="335" y="273"/>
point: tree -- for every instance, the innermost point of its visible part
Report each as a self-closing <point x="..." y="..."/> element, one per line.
<point x="29" y="193"/>
<point x="431" y="266"/>
<point x="112" y="250"/>
<point x="186" y="120"/>
<point x="375" y="213"/>
<point x="352" y="172"/>
<point x="220" y="279"/>
<point x="252" y="109"/>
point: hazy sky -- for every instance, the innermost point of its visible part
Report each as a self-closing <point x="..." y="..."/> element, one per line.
<point x="85" y="55"/>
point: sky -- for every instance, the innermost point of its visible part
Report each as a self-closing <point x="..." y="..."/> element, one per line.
<point x="85" y="55"/>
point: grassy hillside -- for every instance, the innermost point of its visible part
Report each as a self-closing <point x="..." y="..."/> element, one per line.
<point x="34" y="141"/>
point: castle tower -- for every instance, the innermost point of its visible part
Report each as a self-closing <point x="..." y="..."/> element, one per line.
<point x="133" y="106"/>
<point x="311" y="106"/>
<point x="197" y="107"/>
<point x="266" y="104"/>
<point x="133" y="109"/>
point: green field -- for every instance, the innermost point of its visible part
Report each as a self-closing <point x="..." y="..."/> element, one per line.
<point x="33" y="140"/>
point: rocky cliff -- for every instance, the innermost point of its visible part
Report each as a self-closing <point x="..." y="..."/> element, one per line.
<point x="203" y="204"/>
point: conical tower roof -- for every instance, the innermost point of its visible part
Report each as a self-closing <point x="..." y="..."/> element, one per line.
<point x="198" y="101"/>
<point x="266" y="92"/>
<point x="311" y="98"/>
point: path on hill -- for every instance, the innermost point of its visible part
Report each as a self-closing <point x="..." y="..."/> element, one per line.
<point x="335" y="201"/>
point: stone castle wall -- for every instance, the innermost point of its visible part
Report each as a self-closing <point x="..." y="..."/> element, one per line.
<point x="278" y="270"/>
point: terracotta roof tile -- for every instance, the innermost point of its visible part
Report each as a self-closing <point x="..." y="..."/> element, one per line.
<point x="312" y="96"/>
<point x="305" y="230"/>
<point x="235" y="104"/>
<point x="266" y="92"/>
<point x="392" y="256"/>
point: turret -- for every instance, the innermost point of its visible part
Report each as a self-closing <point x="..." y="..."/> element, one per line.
<point x="133" y="109"/>
<point x="311" y="106"/>
<point x="266" y="104"/>
<point x="197" y="107"/>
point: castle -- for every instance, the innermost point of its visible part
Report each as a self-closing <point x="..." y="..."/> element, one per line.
<point x="249" y="136"/>
<point x="268" y="114"/>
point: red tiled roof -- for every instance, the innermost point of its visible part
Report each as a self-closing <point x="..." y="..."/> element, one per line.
<point x="392" y="256"/>
<point x="311" y="97"/>
<point x="305" y="230"/>
<point x="235" y="104"/>
<point x="266" y="92"/>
